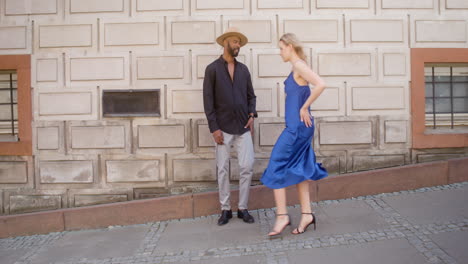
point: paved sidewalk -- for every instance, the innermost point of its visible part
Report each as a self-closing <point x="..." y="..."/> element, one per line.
<point x="428" y="225"/>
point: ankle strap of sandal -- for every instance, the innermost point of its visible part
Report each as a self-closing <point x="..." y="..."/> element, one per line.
<point x="281" y="214"/>
<point x="308" y="213"/>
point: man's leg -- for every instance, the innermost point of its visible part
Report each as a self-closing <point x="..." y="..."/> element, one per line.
<point x="245" y="156"/>
<point x="222" y="164"/>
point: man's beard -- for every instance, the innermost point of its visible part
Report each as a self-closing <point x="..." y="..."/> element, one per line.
<point x="232" y="52"/>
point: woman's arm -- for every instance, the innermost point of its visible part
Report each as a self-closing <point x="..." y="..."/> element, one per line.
<point x="310" y="76"/>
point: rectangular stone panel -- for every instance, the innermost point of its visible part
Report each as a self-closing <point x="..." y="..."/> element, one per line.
<point x="66" y="171"/>
<point x="396" y="131"/>
<point x="440" y="31"/>
<point x="194" y="170"/>
<point x="266" y="4"/>
<point x="94" y="199"/>
<point x="148" y="193"/>
<point x="12" y="37"/>
<point x="269" y="133"/>
<point x="187" y="101"/>
<point x="202" y="62"/>
<point x="264" y="100"/>
<point x="257" y="31"/>
<point x="124" y="34"/>
<point x="354" y="132"/>
<point x="93" y="6"/>
<point x="377" y="31"/>
<point x="132" y="170"/>
<point x="394" y="64"/>
<point x="65" y="103"/>
<point x="439" y="156"/>
<point x="344" y="64"/>
<point x="205" y="138"/>
<point x="313" y="30"/>
<point x="88" y="69"/>
<point x="331" y="163"/>
<point x="97" y="137"/>
<point x="46" y="70"/>
<point x="219" y="4"/>
<point x="449" y="4"/>
<point x="361" y="163"/>
<point x="30" y="7"/>
<point x="47" y="138"/>
<point x="13" y="172"/>
<point x="65" y="36"/>
<point x="366" y="98"/>
<point x="159" y="5"/>
<point x="407" y="4"/>
<point x="271" y="65"/>
<point x="329" y="100"/>
<point x="32" y="203"/>
<point x="162" y="136"/>
<point x="342" y="4"/>
<point x="168" y="67"/>
<point x="193" y="32"/>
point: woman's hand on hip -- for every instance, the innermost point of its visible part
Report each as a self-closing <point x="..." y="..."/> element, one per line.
<point x="305" y="117"/>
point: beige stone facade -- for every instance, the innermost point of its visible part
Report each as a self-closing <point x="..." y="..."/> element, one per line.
<point x="80" y="48"/>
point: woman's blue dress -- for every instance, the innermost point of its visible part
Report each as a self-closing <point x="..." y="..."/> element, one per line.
<point x="292" y="159"/>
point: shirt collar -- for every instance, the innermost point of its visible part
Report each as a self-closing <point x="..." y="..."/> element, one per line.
<point x="224" y="61"/>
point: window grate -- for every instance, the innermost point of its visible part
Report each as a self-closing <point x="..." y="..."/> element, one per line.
<point x="8" y="106"/>
<point x="446" y="96"/>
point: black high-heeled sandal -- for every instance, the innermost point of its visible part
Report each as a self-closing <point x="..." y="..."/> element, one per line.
<point x="282" y="229"/>
<point x="305" y="227"/>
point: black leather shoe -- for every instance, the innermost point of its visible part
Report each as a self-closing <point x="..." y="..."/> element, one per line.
<point x="244" y="214"/>
<point x="225" y="216"/>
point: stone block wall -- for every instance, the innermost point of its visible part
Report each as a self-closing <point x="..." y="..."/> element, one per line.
<point x="81" y="48"/>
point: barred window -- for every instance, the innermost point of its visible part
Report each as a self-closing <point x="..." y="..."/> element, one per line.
<point x="446" y="97"/>
<point x="8" y="106"/>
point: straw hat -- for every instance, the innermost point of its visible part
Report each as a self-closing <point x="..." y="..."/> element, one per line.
<point x="232" y="32"/>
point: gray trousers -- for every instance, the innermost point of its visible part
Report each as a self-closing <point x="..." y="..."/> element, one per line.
<point x="245" y="156"/>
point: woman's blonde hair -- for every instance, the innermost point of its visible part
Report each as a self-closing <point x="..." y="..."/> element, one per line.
<point x="290" y="38"/>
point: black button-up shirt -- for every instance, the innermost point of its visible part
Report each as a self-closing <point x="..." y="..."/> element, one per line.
<point x="228" y="102"/>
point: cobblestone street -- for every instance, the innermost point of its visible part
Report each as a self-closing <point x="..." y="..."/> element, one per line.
<point x="428" y="225"/>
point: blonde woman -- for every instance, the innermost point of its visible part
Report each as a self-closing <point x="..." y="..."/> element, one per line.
<point x="292" y="160"/>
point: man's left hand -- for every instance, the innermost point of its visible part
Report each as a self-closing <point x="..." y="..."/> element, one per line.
<point x="250" y="125"/>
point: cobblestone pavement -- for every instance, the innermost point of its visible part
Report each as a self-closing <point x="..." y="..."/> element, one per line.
<point x="428" y="225"/>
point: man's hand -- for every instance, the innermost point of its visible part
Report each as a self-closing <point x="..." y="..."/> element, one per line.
<point x="218" y="137"/>
<point x="250" y="125"/>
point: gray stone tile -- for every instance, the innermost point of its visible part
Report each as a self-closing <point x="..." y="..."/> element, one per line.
<point x="207" y="234"/>
<point x="454" y="244"/>
<point x="432" y="207"/>
<point x="382" y="252"/>
<point x="231" y="260"/>
<point x="345" y="217"/>
<point x="10" y="256"/>
<point x="94" y="244"/>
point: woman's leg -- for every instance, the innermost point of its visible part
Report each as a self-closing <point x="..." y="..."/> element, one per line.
<point x="304" y="199"/>
<point x="282" y="219"/>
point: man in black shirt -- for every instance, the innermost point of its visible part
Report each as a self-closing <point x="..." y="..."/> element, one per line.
<point x="229" y="101"/>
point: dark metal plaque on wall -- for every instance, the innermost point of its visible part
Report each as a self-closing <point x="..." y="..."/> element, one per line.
<point x="131" y="103"/>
